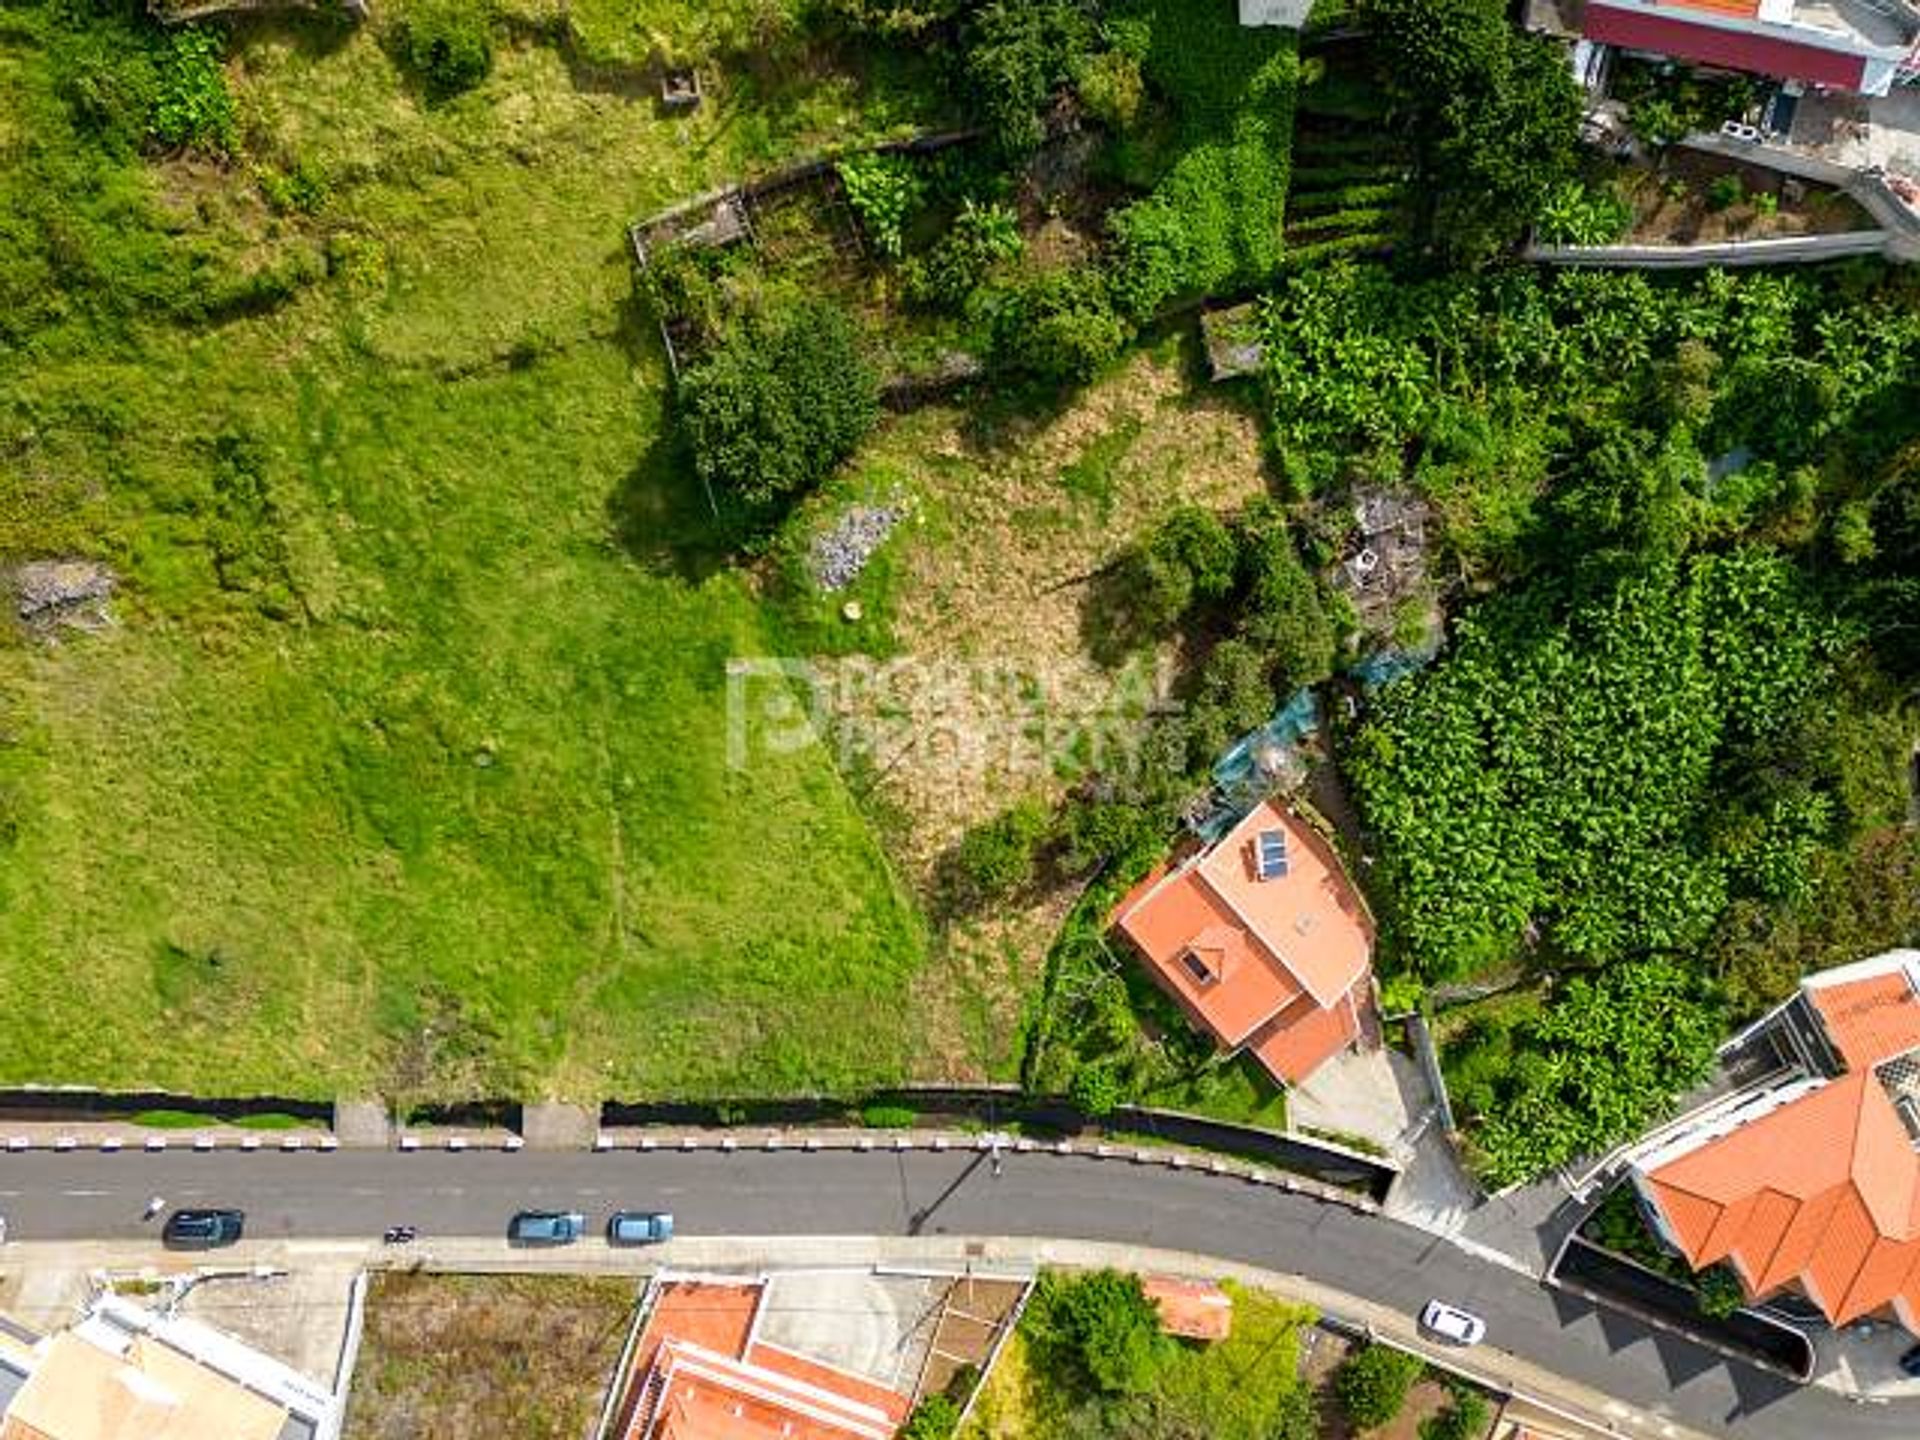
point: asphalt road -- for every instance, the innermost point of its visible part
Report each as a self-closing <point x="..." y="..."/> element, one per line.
<point x="87" y="1196"/>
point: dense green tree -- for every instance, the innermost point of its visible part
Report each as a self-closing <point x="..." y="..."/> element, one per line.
<point x="1373" y="1382"/>
<point x="1496" y="111"/>
<point x="779" y="403"/>
<point x="1283" y="614"/>
<point x="1018" y="53"/>
<point x="1101" y="1329"/>
<point x="1059" y="327"/>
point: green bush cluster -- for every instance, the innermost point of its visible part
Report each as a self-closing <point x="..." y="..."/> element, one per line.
<point x="1060" y="326"/>
<point x="1465" y="1418"/>
<point x="1099" y="1328"/>
<point x="1373" y="1382"/>
<point x="191" y="103"/>
<point x="448" y="44"/>
<point x="1562" y="768"/>
<point x="1576" y="214"/>
<point x="982" y="238"/>
<point x="1214" y="224"/>
<point x="1001" y="856"/>
<point x="934" y="1418"/>
<point x="777" y="405"/>
<point x="1018" y="53"/>
<point x="889" y="1117"/>
<point x="1496" y="111"/>
<point x="883" y="190"/>
<point x="1595" y="1066"/>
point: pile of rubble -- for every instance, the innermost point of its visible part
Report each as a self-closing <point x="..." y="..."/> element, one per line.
<point x="841" y="553"/>
<point x="63" y="592"/>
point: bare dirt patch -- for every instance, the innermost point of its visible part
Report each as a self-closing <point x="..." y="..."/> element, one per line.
<point x="520" y="1355"/>
<point x="1676" y="205"/>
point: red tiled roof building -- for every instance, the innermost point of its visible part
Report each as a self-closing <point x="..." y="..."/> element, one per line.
<point x="1811" y="1182"/>
<point x="1262" y="939"/>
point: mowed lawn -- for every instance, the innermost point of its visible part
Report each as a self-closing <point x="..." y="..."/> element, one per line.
<point x="441" y="807"/>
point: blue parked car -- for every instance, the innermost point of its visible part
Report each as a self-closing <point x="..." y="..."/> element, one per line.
<point x="639" y="1227"/>
<point x="546" y="1227"/>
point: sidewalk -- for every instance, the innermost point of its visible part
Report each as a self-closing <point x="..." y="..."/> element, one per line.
<point x="1579" y="1408"/>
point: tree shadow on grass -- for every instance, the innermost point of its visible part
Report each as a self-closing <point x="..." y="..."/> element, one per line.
<point x="661" y="516"/>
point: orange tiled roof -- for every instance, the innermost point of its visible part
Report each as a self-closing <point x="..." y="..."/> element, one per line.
<point x="1822" y="1192"/>
<point x="1301" y="1038"/>
<point x="699" y="1374"/>
<point x="1742" y="9"/>
<point x="704" y="1396"/>
<point x="856" y="1387"/>
<point x="1192" y="1309"/>
<point x="1263" y="944"/>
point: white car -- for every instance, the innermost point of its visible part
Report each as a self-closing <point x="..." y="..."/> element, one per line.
<point x="1452" y="1324"/>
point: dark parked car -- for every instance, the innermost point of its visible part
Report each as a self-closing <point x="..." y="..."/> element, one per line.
<point x="639" y="1227"/>
<point x="547" y="1227"/>
<point x="202" y="1229"/>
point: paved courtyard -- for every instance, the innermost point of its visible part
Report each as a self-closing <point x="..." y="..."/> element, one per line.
<point x="1862" y="131"/>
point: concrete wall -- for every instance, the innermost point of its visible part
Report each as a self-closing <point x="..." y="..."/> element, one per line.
<point x="1788" y="250"/>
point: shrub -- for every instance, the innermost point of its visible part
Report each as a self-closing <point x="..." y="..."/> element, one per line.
<point x="1095" y="831"/>
<point x="997" y="858"/>
<point x="1464" y="1419"/>
<point x="1018" y="53"/>
<point x="1101" y="1328"/>
<point x="1372" y="1384"/>
<point x="1149" y="248"/>
<point x="934" y="1418"/>
<point x="1725" y="192"/>
<point x="1097" y="1089"/>
<point x="191" y="103"/>
<point x="1059" y="327"/>
<point x="1717" y="1293"/>
<point x="1577" y="215"/>
<point x="1109" y="85"/>
<point x="894" y="18"/>
<point x="779" y="404"/>
<point x="303" y="188"/>
<point x="883" y="191"/>
<point x="1284" y="613"/>
<point x="1235" y="694"/>
<point x="1189" y="559"/>
<point x="447" y="43"/>
<point x="981" y="237"/>
<point x="888" y="1117"/>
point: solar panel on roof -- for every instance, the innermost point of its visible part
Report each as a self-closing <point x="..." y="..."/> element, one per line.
<point x="1270" y="854"/>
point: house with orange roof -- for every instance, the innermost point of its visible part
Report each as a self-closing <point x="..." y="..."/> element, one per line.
<point x="1809" y="1180"/>
<point x="1263" y="941"/>
<point x="701" y="1369"/>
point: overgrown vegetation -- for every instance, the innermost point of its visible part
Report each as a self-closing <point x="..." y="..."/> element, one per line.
<point x="1090" y="1358"/>
<point x="1613" y="756"/>
<point x="477" y="1354"/>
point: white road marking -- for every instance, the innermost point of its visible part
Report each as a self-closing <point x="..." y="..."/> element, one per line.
<point x="84" y="1194"/>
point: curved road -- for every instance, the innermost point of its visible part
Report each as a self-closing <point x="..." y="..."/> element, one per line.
<point x="50" y="1197"/>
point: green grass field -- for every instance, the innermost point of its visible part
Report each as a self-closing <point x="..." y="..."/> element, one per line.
<point x="404" y="770"/>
